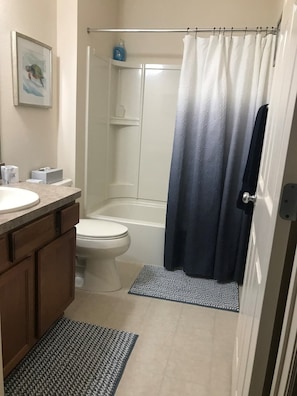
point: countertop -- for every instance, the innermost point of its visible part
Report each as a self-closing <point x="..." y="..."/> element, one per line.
<point x="51" y="198"/>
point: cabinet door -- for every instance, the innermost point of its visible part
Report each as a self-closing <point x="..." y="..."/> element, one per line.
<point x="55" y="280"/>
<point x="17" y="312"/>
<point x="4" y="256"/>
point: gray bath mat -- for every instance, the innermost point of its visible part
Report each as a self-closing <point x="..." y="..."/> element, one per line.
<point x="155" y="281"/>
<point x="75" y="359"/>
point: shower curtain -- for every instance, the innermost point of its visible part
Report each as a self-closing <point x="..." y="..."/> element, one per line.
<point x="224" y="80"/>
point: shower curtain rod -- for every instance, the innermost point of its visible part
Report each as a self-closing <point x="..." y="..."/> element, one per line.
<point x="272" y="30"/>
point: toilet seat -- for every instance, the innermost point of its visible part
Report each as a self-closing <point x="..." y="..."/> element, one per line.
<point x="100" y="229"/>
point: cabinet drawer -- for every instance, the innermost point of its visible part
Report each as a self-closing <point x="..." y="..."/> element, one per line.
<point x="69" y="217"/>
<point x="32" y="236"/>
<point x="4" y="255"/>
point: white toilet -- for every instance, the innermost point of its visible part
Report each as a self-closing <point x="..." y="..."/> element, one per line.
<point x="98" y="243"/>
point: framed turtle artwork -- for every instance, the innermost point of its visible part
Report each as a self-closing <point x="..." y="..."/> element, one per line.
<point x="32" y="72"/>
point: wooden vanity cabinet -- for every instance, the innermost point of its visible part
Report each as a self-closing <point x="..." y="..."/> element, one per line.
<point x="17" y="307"/>
<point x="55" y="280"/>
<point x="37" y="280"/>
<point x="4" y="253"/>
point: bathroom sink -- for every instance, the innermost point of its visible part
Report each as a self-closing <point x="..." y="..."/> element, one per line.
<point x="13" y="199"/>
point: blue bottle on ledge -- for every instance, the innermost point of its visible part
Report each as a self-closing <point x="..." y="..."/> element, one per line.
<point x="119" y="51"/>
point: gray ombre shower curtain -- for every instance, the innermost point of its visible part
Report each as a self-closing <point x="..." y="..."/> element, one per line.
<point x="224" y="80"/>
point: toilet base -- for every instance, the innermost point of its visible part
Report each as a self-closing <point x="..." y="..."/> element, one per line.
<point x="101" y="276"/>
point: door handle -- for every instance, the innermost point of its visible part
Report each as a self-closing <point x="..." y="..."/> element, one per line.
<point x="246" y="198"/>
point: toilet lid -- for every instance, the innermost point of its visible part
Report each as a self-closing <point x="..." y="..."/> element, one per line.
<point x="92" y="228"/>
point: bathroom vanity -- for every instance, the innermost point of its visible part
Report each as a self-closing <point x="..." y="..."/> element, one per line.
<point x="37" y="268"/>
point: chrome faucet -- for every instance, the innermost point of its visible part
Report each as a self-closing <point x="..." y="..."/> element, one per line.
<point x="1" y="164"/>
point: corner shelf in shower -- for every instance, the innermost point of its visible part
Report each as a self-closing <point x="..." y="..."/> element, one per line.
<point x="126" y="64"/>
<point x="124" y="121"/>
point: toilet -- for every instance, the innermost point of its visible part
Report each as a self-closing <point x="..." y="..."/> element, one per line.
<point x="98" y="243"/>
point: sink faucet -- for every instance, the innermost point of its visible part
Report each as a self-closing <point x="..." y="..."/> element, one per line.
<point x="1" y="164"/>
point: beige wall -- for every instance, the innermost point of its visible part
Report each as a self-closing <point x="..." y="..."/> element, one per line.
<point x="183" y="14"/>
<point x="74" y="16"/>
<point x="28" y="135"/>
<point x="32" y="137"/>
<point x="67" y="72"/>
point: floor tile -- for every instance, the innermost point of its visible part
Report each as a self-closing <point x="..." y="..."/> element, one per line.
<point x="139" y="381"/>
<point x="176" y="387"/>
<point x="182" y="349"/>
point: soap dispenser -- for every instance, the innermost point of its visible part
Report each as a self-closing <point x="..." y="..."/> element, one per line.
<point x="119" y="51"/>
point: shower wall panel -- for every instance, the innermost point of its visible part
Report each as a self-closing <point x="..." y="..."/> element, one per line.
<point x="130" y="129"/>
<point x="125" y="91"/>
<point x="97" y="131"/>
<point x="143" y="102"/>
<point x="126" y="85"/>
<point x="124" y="161"/>
<point x="159" y="111"/>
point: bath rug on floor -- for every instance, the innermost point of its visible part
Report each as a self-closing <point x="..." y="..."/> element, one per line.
<point x="155" y="281"/>
<point x="73" y="359"/>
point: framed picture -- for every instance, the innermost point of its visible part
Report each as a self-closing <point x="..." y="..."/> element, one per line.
<point x="32" y="71"/>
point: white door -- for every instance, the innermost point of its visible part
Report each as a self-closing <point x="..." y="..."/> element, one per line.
<point x="269" y="233"/>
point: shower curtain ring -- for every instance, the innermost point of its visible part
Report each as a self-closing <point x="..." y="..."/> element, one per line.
<point x="188" y="30"/>
<point x="214" y="31"/>
<point x="245" y="31"/>
<point x="231" y="32"/>
<point x="196" y="31"/>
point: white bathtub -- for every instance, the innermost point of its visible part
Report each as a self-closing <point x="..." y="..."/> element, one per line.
<point x="146" y="223"/>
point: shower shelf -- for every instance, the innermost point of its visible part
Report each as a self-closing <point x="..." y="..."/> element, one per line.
<point x="124" y="121"/>
<point x="126" y="65"/>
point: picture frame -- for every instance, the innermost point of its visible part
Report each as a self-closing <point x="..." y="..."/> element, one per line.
<point x="31" y="71"/>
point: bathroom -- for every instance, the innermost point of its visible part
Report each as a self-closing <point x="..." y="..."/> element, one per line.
<point x="56" y="137"/>
<point x="32" y="138"/>
<point x="62" y="141"/>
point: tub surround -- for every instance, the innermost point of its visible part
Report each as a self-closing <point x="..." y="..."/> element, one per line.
<point x="129" y="145"/>
<point x="128" y="138"/>
<point x="37" y="268"/>
<point x="145" y="221"/>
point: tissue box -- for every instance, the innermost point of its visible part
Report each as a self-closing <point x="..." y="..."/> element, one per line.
<point x="48" y="175"/>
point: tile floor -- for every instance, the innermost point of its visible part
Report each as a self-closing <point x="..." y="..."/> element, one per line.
<point x="182" y="349"/>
